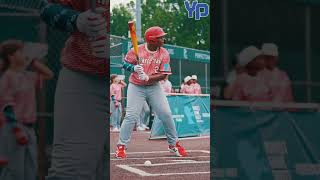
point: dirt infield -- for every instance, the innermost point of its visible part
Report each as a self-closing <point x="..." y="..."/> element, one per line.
<point x="164" y="164"/>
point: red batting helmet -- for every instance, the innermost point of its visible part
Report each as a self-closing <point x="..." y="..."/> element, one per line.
<point x="153" y="33"/>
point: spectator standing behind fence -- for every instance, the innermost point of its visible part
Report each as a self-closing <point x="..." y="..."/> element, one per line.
<point x="18" y="90"/>
<point x="249" y="86"/>
<point x="277" y="79"/>
<point x="116" y="87"/>
<point x="196" y="86"/>
<point x="187" y="87"/>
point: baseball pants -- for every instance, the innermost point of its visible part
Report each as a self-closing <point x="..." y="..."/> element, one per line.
<point x="156" y="98"/>
<point x="80" y="129"/>
<point x="145" y="115"/>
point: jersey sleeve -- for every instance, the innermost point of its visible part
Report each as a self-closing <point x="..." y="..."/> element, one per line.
<point x="165" y="64"/>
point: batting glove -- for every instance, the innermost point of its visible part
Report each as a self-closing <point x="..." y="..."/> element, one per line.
<point x="138" y="69"/>
<point x="92" y="23"/>
<point x="144" y="77"/>
<point x="99" y="48"/>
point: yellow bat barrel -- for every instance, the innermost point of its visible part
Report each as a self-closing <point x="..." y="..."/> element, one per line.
<point x="133" y="36"/>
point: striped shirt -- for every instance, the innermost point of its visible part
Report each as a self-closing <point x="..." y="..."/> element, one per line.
<point x="77" y="54"/>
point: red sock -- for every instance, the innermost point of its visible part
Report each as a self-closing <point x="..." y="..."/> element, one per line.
<point x="21" y="137"/>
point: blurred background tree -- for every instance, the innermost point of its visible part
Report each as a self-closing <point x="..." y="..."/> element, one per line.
<point x="171" y="15"/>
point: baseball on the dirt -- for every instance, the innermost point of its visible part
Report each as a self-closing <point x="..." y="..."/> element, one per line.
<point x="147" y="163"/>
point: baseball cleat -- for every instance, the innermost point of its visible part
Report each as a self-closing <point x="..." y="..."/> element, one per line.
<point x="121" y="152"/>
<point x="178" y="150"/>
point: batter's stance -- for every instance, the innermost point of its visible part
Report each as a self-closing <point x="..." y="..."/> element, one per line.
<point x="153" y="66"/>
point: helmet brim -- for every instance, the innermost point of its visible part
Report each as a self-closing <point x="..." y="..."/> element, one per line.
<point x="161" y="35"/>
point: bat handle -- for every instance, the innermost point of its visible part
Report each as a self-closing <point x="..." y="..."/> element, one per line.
<point x="138" y="59"/>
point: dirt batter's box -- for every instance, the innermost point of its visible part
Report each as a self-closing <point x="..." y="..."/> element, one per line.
<point x="141" y="169"/>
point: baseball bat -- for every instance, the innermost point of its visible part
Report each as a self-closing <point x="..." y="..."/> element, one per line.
<point x="134" y="38"/>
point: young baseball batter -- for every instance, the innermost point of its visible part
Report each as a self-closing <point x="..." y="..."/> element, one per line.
<point x="79" y="145"/>
<point x="144" y="86"/>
